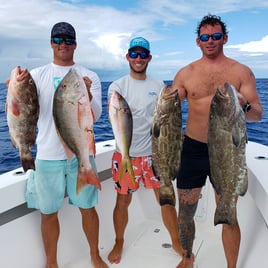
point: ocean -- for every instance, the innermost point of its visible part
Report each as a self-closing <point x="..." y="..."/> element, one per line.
<point x="9" y="156"/>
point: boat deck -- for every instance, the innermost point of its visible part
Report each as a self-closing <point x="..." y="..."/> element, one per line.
<point x="147" y="243"/>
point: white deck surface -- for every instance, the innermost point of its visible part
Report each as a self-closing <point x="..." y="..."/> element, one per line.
<point x="21" y="245"/>
<point x="146" y="234"/>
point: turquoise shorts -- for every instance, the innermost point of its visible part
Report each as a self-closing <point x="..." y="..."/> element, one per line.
<point x="52" y="179"/>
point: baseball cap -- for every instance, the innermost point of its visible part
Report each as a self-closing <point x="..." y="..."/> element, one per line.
<point x="139" y="42"/>
<point x="63" y="28"/>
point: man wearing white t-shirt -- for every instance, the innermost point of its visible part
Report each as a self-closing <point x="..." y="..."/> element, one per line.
<point x="54" y="174"/>
<point x="141" y="92"/>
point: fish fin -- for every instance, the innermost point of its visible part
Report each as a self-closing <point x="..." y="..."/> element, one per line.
<point x="156" y="130"/>
<point x="70" y="154"/>
<point x="7" y="81"/>
<point x="154" y="168"/>
<point x="243" y="185"/>
<point x="15" y="109"/>
<point x="87" y="176"/>
<point x="93" y="115"/>
<point x="236" y="137"/>
<point x="225" y="212"/>
<point x="68" y="151"/>
<point x="126" y="166"/>
<point x="91" y="142"/>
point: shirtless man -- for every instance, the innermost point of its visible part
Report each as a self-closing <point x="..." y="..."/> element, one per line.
<point x="197" y="82"/>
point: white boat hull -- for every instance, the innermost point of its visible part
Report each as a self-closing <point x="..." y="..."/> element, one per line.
<point x="147" y="241"/>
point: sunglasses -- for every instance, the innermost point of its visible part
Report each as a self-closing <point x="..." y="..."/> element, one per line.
<point x="134" y="55"/>
<point x="215" y="36"/>
<point x="60" y="40"/>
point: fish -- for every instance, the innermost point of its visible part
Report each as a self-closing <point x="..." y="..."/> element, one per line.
<point x="74" y="119"/>
<point x="22" y="111"/>
<point x="167" y="139"/>
<point x="227" y="139"/>
<point x="120" y="117"/>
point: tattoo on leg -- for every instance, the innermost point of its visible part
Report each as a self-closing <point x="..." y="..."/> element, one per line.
<point x="187" y="206"/>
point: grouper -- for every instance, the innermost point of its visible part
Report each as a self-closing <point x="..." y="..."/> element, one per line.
<point x="227" y="138"/>
<point x="167" y="137"/>
<point x="22" y="109"/>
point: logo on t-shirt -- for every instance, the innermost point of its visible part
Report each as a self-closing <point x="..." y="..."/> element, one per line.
<point x="152" y="93"/>
<point x="56" y="81"/>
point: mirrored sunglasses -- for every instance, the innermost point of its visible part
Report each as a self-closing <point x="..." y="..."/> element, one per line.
<point x="134" y="55"/>
<point x="60" y="40"/>
<point x="215" y="36"/>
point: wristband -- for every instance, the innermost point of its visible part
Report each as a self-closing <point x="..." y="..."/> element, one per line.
<point x="247" y="107"/>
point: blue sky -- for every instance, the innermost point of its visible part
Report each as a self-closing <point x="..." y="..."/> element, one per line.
<point x="104" y="29"/>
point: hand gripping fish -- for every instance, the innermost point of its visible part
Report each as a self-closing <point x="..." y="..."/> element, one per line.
<point x="73" y="118"/>
<point x="227" y="138"/>
<point x="167" y="137"/>
<point x="22" y="110"/>
<point x="122" y="124"/>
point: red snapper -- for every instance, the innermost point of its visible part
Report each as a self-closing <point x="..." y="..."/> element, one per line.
<point x="73" y="118"/>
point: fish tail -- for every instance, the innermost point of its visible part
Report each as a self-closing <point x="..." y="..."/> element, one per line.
<point x="87" y="176"/>
<point x="167" y="195"/>
<point x="225" y="213"/>
<point x="126" y="166"/>
<point x="27" y="160"/>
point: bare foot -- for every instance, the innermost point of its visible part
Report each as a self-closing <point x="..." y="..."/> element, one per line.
<point x="98" y="262"/>
<point x="116" y="253"/>
<point x="186" y="262"/>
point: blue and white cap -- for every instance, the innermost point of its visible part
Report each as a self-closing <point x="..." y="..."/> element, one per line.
<point x="139" y="42"/>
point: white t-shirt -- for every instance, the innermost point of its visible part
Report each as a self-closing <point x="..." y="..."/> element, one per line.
<point x="141" y="96"/>
<point x="47" y="78"/>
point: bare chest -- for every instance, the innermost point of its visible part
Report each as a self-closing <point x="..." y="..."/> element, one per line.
<point x="205" y="83"/>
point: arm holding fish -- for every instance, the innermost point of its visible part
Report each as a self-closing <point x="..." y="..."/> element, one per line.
<point x="88" y="83"/>
<point x="178" y="83"/>
<point x="248" y="95"/>
<point x="113" y="87"/>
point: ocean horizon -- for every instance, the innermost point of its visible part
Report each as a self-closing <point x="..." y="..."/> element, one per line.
<point x="9" y="156"/>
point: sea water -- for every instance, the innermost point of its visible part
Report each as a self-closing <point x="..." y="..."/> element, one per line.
<point x="9" y="156"/>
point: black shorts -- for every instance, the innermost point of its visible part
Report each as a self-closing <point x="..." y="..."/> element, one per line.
<point x="194" y="167"/>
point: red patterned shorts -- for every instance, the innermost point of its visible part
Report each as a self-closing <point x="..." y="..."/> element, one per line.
<point x="143" y="171"/>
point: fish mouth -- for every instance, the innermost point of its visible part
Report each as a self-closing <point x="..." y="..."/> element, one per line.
<point x="222" y="93"/>
<point x="20" y="74"/>
<point x="168" y="92"/>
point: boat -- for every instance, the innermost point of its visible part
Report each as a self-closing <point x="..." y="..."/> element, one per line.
<point x="147" y="243"/>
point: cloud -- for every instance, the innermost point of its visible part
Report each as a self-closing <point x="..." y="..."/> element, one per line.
<point x="103" y="31"/>
<point x="254" y="48"/>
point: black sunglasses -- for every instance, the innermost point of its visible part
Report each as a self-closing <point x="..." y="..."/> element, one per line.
<point x="60" y="40"/>
<point x="134" y="55"/>
<point x="215" y="36"/>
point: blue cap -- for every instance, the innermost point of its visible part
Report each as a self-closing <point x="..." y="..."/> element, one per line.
<point x="139" y="42"/>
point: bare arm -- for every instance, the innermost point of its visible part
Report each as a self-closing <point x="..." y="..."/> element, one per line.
<point x="178" y="84"/>
<point x="248" y="94"/>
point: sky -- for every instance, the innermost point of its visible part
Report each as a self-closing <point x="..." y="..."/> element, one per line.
<point x="104" y="29"/>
